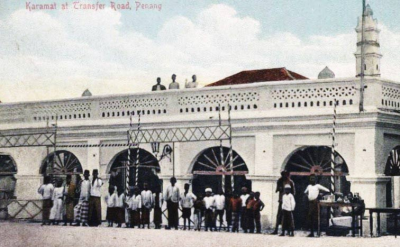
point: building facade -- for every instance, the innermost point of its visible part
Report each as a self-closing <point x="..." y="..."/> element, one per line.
<point x="275" y="126"/>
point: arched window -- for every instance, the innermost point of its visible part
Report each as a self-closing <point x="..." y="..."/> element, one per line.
<point x="7" y="180"/>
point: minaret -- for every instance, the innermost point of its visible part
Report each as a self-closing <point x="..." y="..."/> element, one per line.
<point x="372" y="51"/>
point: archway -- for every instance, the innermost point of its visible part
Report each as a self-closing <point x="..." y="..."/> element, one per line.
<point x="392" y="169"/>
<point x="209" y="166"/>
<point x="8" y="169"/>
<point x="314" y="160"/>
<point x="60" y="164"/>
<point x="148" y="169"/>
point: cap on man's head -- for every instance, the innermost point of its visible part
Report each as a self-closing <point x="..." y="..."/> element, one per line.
<point x="288" y="186"/>
<point x="209" y="190"/>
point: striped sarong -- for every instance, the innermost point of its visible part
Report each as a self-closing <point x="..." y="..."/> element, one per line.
<point x="82" y="211"/>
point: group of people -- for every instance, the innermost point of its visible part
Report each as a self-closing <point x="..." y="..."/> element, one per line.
<point x="286" y="189"/>
<point x="242" y="209"/>
<point x="59" y="204"/>
<point x="174" y="84"/>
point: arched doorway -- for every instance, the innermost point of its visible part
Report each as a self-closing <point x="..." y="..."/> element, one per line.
<point x="314" y="160"/>
<point x="7" y="180"/>
<point x="148" y="169"/>
<point x="209" y="166"/>
<point x="392" y="169"/>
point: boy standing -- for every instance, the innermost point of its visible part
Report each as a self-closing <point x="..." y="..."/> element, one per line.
<point x="258" y="207"/>
<point x="158" y="202"/>
<point x="199" y="208"/>
<point x="147" y="204"/>
<point x="95" y="200"/>
<point x="219" y="208"/>
<point x="209" y="202"/>
<point x="235" y="205"/>
<point x="172" y="199"/>
<point x="111" y="200"/>
<point x="46" y="190"/>
<point x="135" y="205"/>
<point x="288" y="205"/>
<point x="187" y="201"/>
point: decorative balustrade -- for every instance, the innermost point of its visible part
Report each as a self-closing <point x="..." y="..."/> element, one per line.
<point x="252" y="98"/>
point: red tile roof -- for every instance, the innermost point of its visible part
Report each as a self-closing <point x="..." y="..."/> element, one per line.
<point x="261" y="75"/>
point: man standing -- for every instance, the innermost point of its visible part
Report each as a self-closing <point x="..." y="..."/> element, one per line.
<point x="69" y="195"/>
<point x="258" y="207"/>
<point x="192" y="84"/>
<point x="280" y="187"/>
<point x="172" y="199"/>
<point x="244" y="198"/>
<point x="82" y="208"/>
<point x="187" y="202"/>
<point x="95" y="200"/>
<point x="173" y="84"/>
<point x="147" y="204"/>
<point x="313" y="190"/>
<point x="46" y="190"/>
<point x="158" y="86"/>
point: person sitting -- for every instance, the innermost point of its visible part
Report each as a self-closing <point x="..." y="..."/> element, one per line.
<point x="158" y="86"/>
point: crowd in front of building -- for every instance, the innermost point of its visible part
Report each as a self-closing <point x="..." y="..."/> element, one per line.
<point x="241" y="209"/>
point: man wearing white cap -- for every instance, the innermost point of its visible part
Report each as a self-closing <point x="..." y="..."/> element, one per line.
<point x="209" y="202"/>
<point x="288" y="205"/>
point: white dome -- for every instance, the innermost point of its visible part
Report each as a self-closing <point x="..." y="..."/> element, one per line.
<point x="326" y="73"/>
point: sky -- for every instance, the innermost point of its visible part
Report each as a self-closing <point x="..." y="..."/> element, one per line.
<point x="56" y="54"/>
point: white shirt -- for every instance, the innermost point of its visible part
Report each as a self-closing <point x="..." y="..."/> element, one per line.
<point x="135" y="202"/>
<point x="244" y="199"/>
<point x="209" y="201"/>
<point x="147" y="198"/>
<point x="219" y="202"/>
<point x="288" y="202"/>
<point x="85" y="190"/>
<point x="191" y="84"/>
<point x="119" y="200"/>
<point x="313" y="191"/>
<point x="46" y="190"/>
<point x="58" y="193"/>
<point x="96" y="186"/>
<point x="187" y="200"/>
<point x="111" y="200"/>
<point x="172" y="193"/>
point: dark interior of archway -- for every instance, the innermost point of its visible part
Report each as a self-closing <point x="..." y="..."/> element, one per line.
<point x="7" y="179"/>
<point x="65" y="162"/>
<point x="201" y="182"/>
<point x="147" y="173"/>
<point x="211" y="160"/>
<point x="302" y="161"/>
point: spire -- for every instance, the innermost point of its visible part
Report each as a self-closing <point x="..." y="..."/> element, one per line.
<point x="368" y="41"/>
<point x="86" y="93"/>
<point x="326" y="73"/>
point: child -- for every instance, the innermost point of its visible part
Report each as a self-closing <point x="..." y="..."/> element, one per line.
<point x="46" y="190"/>
<point x="135" y="205"/>
<point x="199" y="208"/>
<point x="187" y="201"/>
<point x="235" y="205"/>
<point x="257" y="208"/>
<point x="219" y="208"/>
<point x="120" y="207"/>
<point x="147" y="205"/>
<point x="157" y="205"/>
<point x="209" y="202"/>
<point x="111" y="201"/>
<point x="249" y="220"/>
<point x="288" y="205"/>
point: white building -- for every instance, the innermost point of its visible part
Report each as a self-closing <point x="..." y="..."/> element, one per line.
<point x="276" y="125"/>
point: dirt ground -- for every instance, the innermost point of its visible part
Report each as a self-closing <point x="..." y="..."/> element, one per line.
<point x="32" y="234"/>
